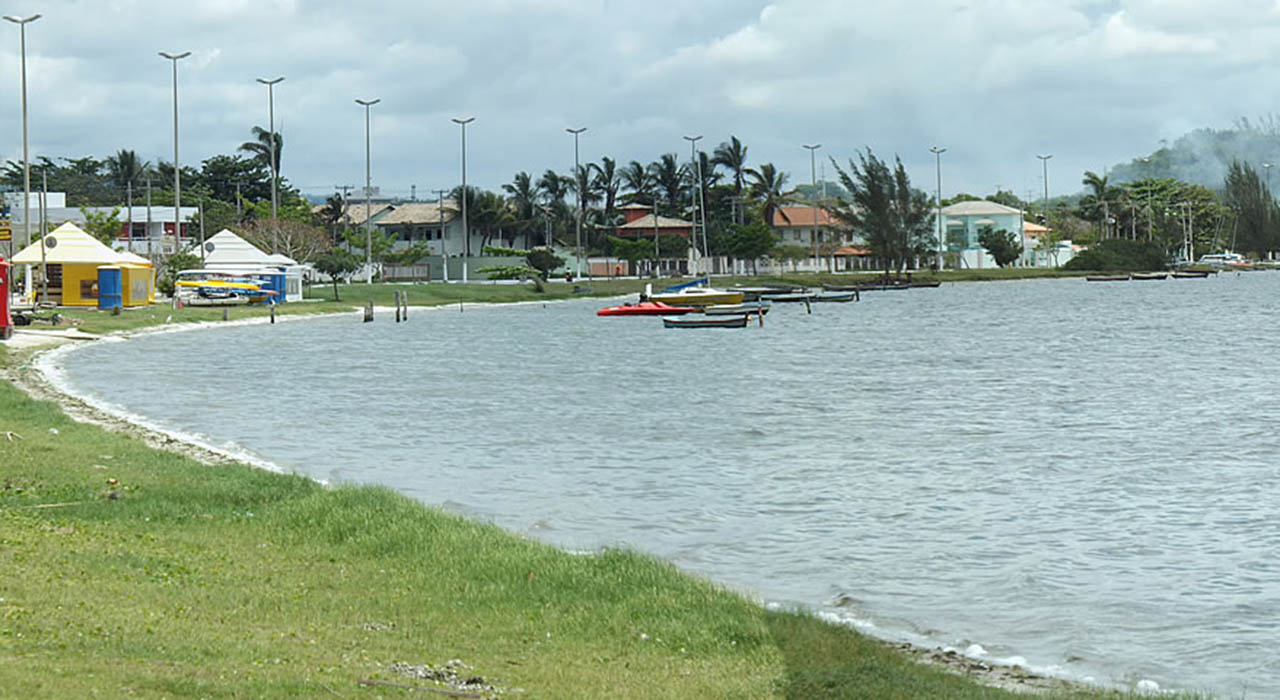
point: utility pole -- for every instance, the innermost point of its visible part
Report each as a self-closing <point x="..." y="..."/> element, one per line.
<point x="149" y="218"/>
<point x="368" y="193"/>
<point x="444" y="255"/>
<point x="578" y="181"/>
<point x="813" y="180"/>
<point x="128" y="189"/>
<point x="937" y="202"/>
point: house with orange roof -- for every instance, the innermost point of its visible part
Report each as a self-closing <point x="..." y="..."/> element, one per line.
<point x="641" y="222"/>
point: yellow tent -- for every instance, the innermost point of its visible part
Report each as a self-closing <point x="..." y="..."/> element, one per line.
<point x="72" y="258"/>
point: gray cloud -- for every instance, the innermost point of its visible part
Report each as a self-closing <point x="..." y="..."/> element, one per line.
<point x="994" y="81"/>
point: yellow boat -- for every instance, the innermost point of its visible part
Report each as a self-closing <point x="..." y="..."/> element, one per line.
<point x="217" y="284"/>
<point x="697" y="296"/>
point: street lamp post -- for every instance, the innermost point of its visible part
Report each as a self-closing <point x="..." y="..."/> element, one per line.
<point x="813" y="180"/>
<point x="466" y="231"/>
<point x="368" y="194"/>
<point x="26" y="165"/>
<point x="937" y="201"/>
<point x="177" y="169"/>
<point x="1044" y="163"/>
<point x="444" y="256"/>
<point x="275" y="165"/>
<point x="578" y="183"/>
<point x="697" y="198"/>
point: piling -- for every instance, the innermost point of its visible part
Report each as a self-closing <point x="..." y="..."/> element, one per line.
<point x="368" y="312"/>
<point x="226" y="314"/>
<point x="273" y="313"/>
<point x="396" y="296"/>
<point x="404" y="299"/>
<point x="807" y="307"/>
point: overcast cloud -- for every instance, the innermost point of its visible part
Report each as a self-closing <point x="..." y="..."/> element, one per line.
<point x="1092" y="82"/>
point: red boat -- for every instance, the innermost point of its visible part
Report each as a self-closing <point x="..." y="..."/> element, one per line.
<point x="645" y="308"/>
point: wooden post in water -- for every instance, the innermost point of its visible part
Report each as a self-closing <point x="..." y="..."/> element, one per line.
<point x="397" y="302"/>
<point x="404" y="299"/>
<point x="368" y="312"/>
<point x="226" y="314"/>
<point x="807" y="307"/>
<point x="273" y="313"/>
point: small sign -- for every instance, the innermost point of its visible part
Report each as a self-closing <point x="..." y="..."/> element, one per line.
<point x="6" y="230"/>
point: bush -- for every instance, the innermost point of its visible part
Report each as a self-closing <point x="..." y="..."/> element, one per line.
<point x="1119" y="254"/>
<point x="172" y="266"/>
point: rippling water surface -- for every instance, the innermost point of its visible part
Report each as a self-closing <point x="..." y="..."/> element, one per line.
<point x="1083" y="475"/>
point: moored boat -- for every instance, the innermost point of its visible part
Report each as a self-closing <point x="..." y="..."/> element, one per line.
<point x="645" y="308"/>
<point x="746" y="307"/>
<point x="1107" y="278"/>
<point x="704" y="321"/>
<point x="1149" y="275"/>
<point x="698" y="296"/>
<point x="1190" y="274"/>
<point x="836" y="297"/>
<point x="789" y="297"/>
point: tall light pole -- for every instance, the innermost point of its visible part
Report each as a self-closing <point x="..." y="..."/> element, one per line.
<point x="466" y="231"/>
<point x="1044" y="162"/>
<point x="177" y="169"/>
<point x="368" y="194"/>
<point x="275" y="166"/>
<point x="697" y="195"/>
<point x="26" y="165"/>
<point x="813" y="180"/>
<point x="937" y="202"/>
<point x="444" y="256"/>
<point x="577" y="186"/>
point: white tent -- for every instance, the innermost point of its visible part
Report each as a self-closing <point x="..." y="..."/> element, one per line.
<point x="226" y="248"/>
<point x="227" y="251"/>
<point x="67" y="244"/>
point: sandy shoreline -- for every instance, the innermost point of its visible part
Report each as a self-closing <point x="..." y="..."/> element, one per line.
<point x="30" y="375"/>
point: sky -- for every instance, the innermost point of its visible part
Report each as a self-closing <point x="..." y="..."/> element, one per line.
<point x="995" y="82"/>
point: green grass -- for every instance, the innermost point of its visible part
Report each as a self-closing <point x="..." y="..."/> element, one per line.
<point x="229" y="581"/>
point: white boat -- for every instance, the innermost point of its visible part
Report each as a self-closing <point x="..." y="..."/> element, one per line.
<point x="698" y="296"/>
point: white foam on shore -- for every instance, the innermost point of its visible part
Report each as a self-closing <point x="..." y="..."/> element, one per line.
<point x="971" y="651"/>
<point x="48" y="365"/>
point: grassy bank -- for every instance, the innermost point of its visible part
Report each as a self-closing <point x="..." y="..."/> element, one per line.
<point x="130" y="571"/>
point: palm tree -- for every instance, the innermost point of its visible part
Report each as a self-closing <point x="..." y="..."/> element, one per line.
<point x="524" y="203"/>
<point x="669" y="177"/>
<point x="124" y="168"/>
<point x="260" y="149"/>
<point x="553" y="187"/>
<point x="639" y="183"/>
<point x="607" y="182"/>
<point x="766" y="186"/>
<point x="733" y="156"/>
<point x="1095" y="205"/>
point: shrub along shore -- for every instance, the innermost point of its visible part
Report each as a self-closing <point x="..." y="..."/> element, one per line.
<point x="141" y="567"/>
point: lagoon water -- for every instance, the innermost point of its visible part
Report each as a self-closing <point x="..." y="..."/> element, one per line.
<point x="1083" y="475"/>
